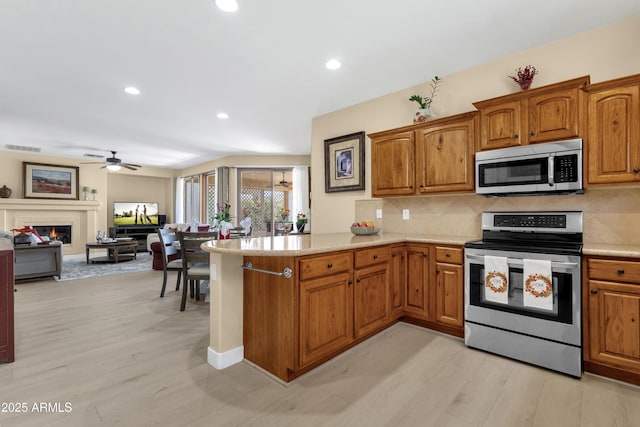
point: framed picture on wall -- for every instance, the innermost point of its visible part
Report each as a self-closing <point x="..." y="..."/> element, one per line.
<point x="44" y="181"/>
<point x="344" y="163"/>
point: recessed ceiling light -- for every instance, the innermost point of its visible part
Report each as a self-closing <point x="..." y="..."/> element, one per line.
<point x="132" y="90"/>
<point x="227" y="5"/>
<point x="333" y="64"/>
<point x="222" y="116"/>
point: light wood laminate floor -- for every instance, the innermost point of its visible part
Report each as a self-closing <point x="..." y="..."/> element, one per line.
<point x="119" y="354"/>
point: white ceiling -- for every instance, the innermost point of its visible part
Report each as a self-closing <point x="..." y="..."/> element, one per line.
<point x="64" y="64"/>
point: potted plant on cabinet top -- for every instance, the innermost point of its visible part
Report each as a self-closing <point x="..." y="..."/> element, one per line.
<point x="525" y="76"/>
<point x="424" y="112"/>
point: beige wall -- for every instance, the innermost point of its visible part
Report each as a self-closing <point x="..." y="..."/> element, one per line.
<point x="133" y="188"/>
<point x="108" y="184"/>
<point x="147" y="183"/>
<point x="603" y="53"/>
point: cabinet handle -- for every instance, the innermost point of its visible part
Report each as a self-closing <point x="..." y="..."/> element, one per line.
<point x="350" y="282"/>
<point x="329" y="265"/>
<point x="620" y="271"/>
<point x="358" y="280"/>
<point x="375" y="257"/>
<point x="532" y="133"/>
<point x="447" y="254"/>
<point x="636" y="170"/>
<point x="594" y="291"/>
<point x="516" y="136"/>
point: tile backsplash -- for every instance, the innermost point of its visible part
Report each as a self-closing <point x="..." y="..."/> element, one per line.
<point x="611" y="215"/>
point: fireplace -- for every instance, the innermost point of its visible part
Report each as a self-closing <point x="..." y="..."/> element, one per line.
<point x="55" y="232"/>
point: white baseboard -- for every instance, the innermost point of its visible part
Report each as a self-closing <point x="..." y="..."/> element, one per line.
<point x="226" y="359"/>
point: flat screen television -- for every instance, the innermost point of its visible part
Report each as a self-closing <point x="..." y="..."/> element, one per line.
<point x="135" y="213"/>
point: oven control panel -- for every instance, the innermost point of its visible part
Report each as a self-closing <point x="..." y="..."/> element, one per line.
<point x="530" y="221"/>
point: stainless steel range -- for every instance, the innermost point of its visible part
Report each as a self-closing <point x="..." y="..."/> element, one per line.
<point x="522" y="288"/>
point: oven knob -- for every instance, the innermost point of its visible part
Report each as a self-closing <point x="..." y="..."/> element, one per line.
<point x="594" y="291"/>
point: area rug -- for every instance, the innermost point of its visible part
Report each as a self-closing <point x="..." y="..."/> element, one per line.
<point x="75" y="267"/>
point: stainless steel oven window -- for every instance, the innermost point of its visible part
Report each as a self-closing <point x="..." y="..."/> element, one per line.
<point x="562" y="295"/>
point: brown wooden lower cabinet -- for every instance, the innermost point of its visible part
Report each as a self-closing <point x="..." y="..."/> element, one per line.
<point x="336" y="300"/>
<point x="6" y="305"/>
<point x="612" y="318"/>
<point x="326" y="316"/>
<point x="417" y="281"/>
<point x="397" y="271"/>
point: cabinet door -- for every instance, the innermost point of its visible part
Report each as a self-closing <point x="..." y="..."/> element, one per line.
<point x="415" y="297"/>
<point x="449" y="294"/>
<point x="614" y="324"/>
<point x="553" y="116"/>
<point x="397" y="281"/>
<point x="500" y="125"/>
<point x="614" y="133"/>
<point x="326" y="316"/>
<point x="392" y="164"/>
<point x="371" y="299"/>
<point x="444" y="157"/>
<point x="6" y="306"/>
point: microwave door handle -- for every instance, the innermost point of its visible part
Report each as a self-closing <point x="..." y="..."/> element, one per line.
<point x="551" y="169"/>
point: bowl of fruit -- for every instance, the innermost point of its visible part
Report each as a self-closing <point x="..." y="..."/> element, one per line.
<point x="364" y="228"/>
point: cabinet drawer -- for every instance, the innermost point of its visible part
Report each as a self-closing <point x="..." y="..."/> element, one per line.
<point x="449" y="255"/>
<point x="366" y="257"/>
<point x="323" y="265"/>
<point x="618" y="271"/>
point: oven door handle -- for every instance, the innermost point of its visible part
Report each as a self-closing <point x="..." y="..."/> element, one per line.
<point x="518" y="262"/>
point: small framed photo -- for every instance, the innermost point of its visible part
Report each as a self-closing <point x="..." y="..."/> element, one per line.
<point x="43" y="181"/>
<point x="344" y="163"/>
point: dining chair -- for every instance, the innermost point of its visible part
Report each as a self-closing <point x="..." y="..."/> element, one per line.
<point x="171" y="258"/>
<point x="195" y="261"/>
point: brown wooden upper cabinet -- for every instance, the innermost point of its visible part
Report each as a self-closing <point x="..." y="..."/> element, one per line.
<point x="437" y="155"/>
<point x="548" y="113"/>
<point x="613" y="154"/>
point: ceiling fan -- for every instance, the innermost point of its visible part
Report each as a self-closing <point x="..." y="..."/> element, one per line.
<point x="114" y="164"/>
<point x="284" y="182"/>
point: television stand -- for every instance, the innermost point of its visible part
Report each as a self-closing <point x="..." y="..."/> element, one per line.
<point x="137" y="232"/>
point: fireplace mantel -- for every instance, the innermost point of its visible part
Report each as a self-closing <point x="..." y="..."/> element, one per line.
<point x="81" y="214"/>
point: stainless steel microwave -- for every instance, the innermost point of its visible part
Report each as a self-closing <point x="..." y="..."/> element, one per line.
<point x="536" y="169"/>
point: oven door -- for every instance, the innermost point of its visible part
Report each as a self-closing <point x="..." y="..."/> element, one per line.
<point x="561" y="324"/>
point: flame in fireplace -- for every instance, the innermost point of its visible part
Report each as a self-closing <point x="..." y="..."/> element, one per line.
<point x="52" y="234"/>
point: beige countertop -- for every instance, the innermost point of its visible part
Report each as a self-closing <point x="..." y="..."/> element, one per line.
<point x="309" y="244"/>
<point x="614" y="250"/>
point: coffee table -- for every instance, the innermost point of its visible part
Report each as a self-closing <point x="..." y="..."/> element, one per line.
<point x="113" y="251"/>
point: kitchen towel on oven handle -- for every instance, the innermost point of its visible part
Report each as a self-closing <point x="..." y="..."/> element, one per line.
<point x="537" y="289"/>
<point x="496" y="279"/>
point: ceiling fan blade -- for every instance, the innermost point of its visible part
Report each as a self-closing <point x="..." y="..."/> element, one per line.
<point x="92" y="163"/>
<point x="130" y="164"/>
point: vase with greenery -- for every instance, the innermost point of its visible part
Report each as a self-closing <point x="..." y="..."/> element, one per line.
<point x="424" y="111"/>
<point x="222" y="221"/>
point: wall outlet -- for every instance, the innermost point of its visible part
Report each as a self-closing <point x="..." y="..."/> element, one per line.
<point x="378" y="213"/>
<point x="405" y="213"/>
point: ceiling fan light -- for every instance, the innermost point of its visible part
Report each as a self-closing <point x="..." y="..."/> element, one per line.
<point x="114" y="168"/>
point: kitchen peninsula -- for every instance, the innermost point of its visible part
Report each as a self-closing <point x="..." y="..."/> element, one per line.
<point x="289" y="303"/>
